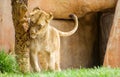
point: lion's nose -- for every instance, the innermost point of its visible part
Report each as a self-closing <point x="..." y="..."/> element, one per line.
<point x="32" y="31"/>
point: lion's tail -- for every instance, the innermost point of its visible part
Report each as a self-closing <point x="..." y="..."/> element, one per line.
<point x="74" y="17"/>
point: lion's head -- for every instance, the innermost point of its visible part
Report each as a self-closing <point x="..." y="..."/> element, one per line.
<point x="38" y="20"/>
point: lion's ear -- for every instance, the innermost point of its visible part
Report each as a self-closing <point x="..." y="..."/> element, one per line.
<point x="35" y="11"/>
<point x="36" y="8"/>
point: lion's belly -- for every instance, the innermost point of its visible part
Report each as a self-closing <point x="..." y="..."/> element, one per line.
<point x="53" y="42"/>
<point x="50" y="45"/>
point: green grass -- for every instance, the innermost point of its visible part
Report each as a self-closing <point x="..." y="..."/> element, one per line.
<point x="94" y="72"/>
<point x="8" y="63"/>
<point x="9" y="68"/>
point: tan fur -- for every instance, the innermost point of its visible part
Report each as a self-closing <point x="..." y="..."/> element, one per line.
<point x="45" y="40"/>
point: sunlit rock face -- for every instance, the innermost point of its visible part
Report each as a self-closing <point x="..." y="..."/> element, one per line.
<point x="62" y="8"/>
<point x="112" y="57"/>
<point x="7" y="34"/>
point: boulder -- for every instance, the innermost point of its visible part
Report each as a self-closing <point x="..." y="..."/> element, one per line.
<point x="7" y="34"/>
<point x="62" y="8"/>
<point x="112" y="55"/>
<point x="106" y="21"/>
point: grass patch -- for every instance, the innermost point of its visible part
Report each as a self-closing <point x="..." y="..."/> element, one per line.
<point x="9" y="68"/>
<point x="7" y="63"/>
<point x="95" y="72"/>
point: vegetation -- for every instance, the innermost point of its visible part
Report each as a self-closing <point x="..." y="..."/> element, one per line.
<point x="7" y="63"/>
<point x="93" y="72"/>
<point x="9" y="68"/>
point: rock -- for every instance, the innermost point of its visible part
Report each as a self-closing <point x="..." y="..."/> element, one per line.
<point x="62" y="8"/>
<point x="7" y="34"/>
<point x="106" y="21"/>
<point x="112" y="55"/>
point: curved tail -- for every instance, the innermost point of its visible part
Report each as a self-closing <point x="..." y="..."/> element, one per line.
<point x="74" y="17"/>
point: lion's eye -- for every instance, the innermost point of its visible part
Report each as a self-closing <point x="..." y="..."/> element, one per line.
<point x="46" y="21"/>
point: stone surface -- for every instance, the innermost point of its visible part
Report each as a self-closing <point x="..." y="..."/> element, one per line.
<point x="106" y="21"/>
<point x="62" y="8"/>
<point x="112" y="56"/>
<point x="7" y="35"/>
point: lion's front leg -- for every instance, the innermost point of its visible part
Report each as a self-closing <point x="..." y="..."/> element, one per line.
<point x="52" y="61"/>
<point x="34" y="57"/>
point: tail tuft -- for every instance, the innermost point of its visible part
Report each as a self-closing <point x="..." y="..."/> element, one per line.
<point x="71" y="15"/>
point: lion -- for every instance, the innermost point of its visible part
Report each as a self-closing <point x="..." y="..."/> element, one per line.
<point x="45" y="40"/>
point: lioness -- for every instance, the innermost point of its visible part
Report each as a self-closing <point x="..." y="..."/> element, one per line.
<point x="45" y="39"/>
